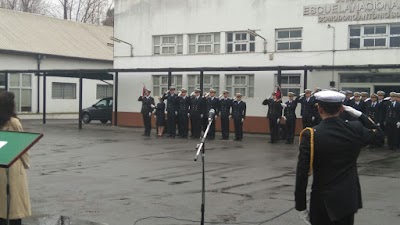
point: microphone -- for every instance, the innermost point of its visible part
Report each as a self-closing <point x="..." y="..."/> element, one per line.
<point x="211" y="114"/>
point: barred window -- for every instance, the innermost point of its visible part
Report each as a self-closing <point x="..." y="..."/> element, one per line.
<point x="374" y="36"/>
<point x="289" y="39"/>
<point x="240" y="42"/>
<point x="209" y="81"/>
<point x="240" y="83"/>
<point x="160" y="83"/>
<point x="104" y="91"/>
<point x="204" y="43"/>
<point x="63" y="90"/>
<point x="168" y="45"/>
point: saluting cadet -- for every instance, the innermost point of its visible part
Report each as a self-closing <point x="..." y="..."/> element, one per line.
<point x="172" y="110"/>
<point x="348" y="99"/>
<point x="392" y="121"/>
<point x="238" y="115"/>
<point x="307" y="108"/>
<point x="357" y="103"/>
<point x="398" y="123"/>
<point x="381" y="112"/>
<point x="183" y="114"/>
<point x="274" y="115"/>
<point x="372" y="109"/>
<point x="147" y="109"/>
<point x="212" y="103"/>
<point x="364" y="96"/>
<point x="330" y="154"/>
<point x="290" y="117"/>
<point x="197" y="108"/>
<point x="225" y="114"/>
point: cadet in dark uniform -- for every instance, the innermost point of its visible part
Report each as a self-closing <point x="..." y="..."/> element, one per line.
<point x="317" y="117"/>
<point x="147" y="109"/>
<point x="160" y="117"/>
<point x="371" y="108"/>
<point x="336" y="194"/>
<point x="225" y="114"/>
<point x="290" y="118"/>
<point x="197" y="108"/>
<point x="392" y="119"/>
<point x="381" y="112"/>
<point x="348" y="99"/>
<point x="238" y="115"/>
<point x="183" y="114"/>
<point x="172" y="110"/>
<point x="365" y="97"/>
<point x="274" y="115"/>
<point x="212" y="103"/>
<point x="357" y="103"/>
<point x="307" y="108"/>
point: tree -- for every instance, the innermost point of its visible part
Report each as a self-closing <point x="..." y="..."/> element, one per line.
<point x="109" y="21"/>
<point x="31" y="6"/>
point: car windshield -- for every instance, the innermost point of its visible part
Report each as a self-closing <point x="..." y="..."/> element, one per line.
<point x="102" y="103"/>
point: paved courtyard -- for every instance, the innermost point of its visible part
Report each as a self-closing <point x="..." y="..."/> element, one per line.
<point x="114" y="175"/>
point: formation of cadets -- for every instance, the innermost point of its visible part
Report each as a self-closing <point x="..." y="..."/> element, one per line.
<point x="384" y="111"/>
<point x="182" y="109"/>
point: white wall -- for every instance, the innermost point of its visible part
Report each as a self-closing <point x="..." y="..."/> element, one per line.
<point x="27" y="62"/>
<point x="138" y="20"/>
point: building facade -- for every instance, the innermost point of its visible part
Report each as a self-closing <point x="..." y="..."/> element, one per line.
<point x="29" y="42"/>
<point x="215" y="33"/>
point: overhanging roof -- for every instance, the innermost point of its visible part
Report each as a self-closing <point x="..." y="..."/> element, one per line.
<point x="92" y="76"/>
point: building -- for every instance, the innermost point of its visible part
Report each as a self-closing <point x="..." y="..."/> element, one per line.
<point x="29" y="42"/>
<point x="214" y="33"/>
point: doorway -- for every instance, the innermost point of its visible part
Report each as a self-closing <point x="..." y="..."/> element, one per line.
<point x="387" y="89"/>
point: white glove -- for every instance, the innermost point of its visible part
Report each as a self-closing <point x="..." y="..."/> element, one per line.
<point x="353" y="112"/>
<point x="155" y="116"/>
<point x="242" y="120"/>
<point x="285" y="118"/>
<point x="313" y="118"/>
<point x="153" y="106"/>
<point x="278" y="120"/>
<point x="188" y="114"/>
<point x="398" y="124"/>
<point x="304" y="215"/>
<point x="201" y="116"/>
<point x="230" y="117"/>
<point x="283" y="105"/>
<point x="176" y="113"/>
<point x="378" y="124"/>
<point x="149" y="113"/>
<point x="216" y="116"/>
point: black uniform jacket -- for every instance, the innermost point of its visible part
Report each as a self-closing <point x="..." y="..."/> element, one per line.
<point x="290" y="110"/>
<point x="392" y="112"/>
<point x="183" y="105"/>
<point x="274" y="108"/>
<point x="372" y="111"/>
<point x="146" y="104"/>
<point x="225" y="107"/>
<point x="360" y="105"/>
<point x="337" y="146"/>
<point x="239" y="110"/>
<point x="172" y="102"/>
<point x="197" y="106"/>
<point x="308" y="108"/>
<point x="212" y="103"/>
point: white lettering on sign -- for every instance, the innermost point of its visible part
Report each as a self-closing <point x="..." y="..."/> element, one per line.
<point x="2" y="143"/>
<point x="354" y="10"/>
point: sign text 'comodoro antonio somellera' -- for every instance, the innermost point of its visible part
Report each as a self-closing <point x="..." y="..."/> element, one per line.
<point x="354" y="10"/>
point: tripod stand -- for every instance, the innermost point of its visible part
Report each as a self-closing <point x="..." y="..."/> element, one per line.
<point x="200" y="148"/>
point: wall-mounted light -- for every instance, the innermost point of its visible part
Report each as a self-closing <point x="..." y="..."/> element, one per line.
<point x="121" y="41"/>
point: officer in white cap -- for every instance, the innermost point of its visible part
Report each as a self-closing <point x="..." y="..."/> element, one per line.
<point x="329" y="151"/>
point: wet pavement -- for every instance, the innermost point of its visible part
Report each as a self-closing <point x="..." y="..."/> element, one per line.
<point x="115" y="176"/>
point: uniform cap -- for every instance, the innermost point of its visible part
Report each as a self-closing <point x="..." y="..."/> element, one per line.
<point x="291" y="94"/>
<point x="393" y="94"/>
<point x="364" y="94"/>
<point x="147" y="90"/>
<point x="307" y="91"/>
<point x="225" y="92"/>
<point x="373" y="95"/>
<point x="357" y="94"/>
<point x="381" y="93"/>
<point x="212" y="91"/>
<point x="349" y="92"/>
<point x="196" y="90"/>
<point x="329" y="97"/>
<point x="342" y="92"/>
<point x="273" y="93"/>
<point x="398" y="95"/>
<point x="238" y="95"/>
<point x="172" y="88"/>
<point x="183" y="90"/>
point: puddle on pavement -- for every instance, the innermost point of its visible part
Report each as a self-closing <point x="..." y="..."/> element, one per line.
<point x="56" y="220"/>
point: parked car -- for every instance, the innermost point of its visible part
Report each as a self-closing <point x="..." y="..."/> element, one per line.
<point x="102" y="111"/>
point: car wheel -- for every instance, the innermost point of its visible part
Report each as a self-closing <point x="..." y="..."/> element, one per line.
<point x="86" y="118"/>
<point x="103" y="121"/>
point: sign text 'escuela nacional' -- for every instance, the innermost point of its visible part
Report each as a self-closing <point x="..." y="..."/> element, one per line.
<point x="354" y="10"/>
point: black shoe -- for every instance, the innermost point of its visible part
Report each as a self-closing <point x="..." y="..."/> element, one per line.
<point x="184" y="136"/>
<point x="144" y="134"/>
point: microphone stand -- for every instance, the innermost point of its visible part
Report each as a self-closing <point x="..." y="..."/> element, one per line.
<point x="200" y="148"/>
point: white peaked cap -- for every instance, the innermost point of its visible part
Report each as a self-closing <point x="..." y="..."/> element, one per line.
<point x="329" y="96"/>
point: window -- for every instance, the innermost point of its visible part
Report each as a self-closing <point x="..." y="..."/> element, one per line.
<point x="240" y="42"/>
<point x="63" y="90"/>
<point x="357" y="89"/>
<point x="289" y="39"/>
<point x="374" y="36"/>
<point x="290" y="83"/>
<point x="204" y="43"/>
<point x="21" y="86"/>
<point x="209" y="81"/>
<point x="243" y="84"/>
<point x="160" y="84"/>
<point x="370" y="78"/>
<point x="2" y="81"/>
<point x="104" y="91"/>
<point x="168" y="45"/>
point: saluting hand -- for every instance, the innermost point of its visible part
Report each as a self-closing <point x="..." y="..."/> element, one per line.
<point x="242" y="120"/>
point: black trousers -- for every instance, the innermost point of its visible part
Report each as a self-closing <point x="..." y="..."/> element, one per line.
<point x="12" y="222"/>
<point x="196" y="126"/>
<point x="183" y="124"/>
<point x="147" y="124"/>
<point x="274" y="129"/>
<point x="171" y="124"/>
<point x="225" y="127"/>
<point x="319" y="215"/>
<point x="211" y="132"/>
<point x="238" y="128"/>
<point x="307" y="122"/>
<point x="392" y="136"/>
<point x="290" y="128"/>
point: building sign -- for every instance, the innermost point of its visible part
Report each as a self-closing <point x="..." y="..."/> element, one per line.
<point x="354" y="10"/>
